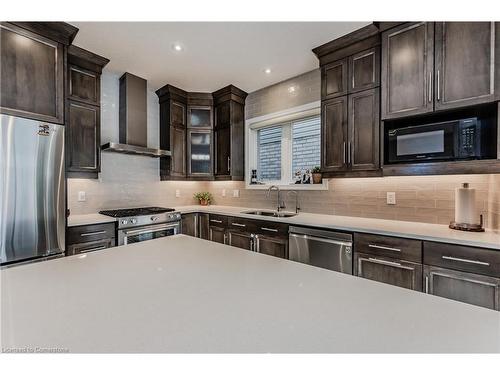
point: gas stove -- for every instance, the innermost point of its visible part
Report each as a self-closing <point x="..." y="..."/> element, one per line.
<point x="140" y="216"/>
<point x="139" y="211"/>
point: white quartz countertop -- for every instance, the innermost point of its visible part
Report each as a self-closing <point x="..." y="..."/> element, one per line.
<point x="183" y="294"/>
<point x="431" y="232"/>
<point x="76" y="220"/>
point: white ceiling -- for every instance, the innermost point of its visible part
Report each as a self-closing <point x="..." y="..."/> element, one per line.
<point x="215" y="54"/>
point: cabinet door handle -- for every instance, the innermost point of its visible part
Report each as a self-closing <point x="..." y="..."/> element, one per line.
<point x="92" y="233"/>
<point x="93" y="249"/>
<point x="438" y="86"/>
<point x="426" y="284"/>
<point x="344" y="151"/>
<point x="349" y="150"/>
<point x="256" y="245"/>
<point x="228" y="164"/>
<point x="430" y="87"/>
<point x="238" y="225"/>
<point x="225" y="238"/>
<point x="384" y="247"/>
<point x="269" y="229"/>
<point x="465" y="260"/>
<point x="216" y="221"/>
<point x="389" y="263"/>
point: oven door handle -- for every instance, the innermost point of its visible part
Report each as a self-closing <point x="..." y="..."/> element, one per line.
<point x="157" y="228"/>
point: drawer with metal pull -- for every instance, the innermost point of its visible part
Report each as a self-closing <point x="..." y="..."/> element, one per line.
<point x="237" y="223"/>
<point x="271" y="228"/>
<point x="217" y="220"/>
<point x="393" y="247"/>
<point x="462" y="258"/>
<point x="89" y="233"/>
<point x="86" y="247"/>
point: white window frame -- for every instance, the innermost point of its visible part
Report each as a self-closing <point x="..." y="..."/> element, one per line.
<point x="277" y="118"/>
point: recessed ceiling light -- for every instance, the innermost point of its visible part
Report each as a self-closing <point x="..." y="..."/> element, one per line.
<point x="267" y="71"/>
<point x="177" y="47"/>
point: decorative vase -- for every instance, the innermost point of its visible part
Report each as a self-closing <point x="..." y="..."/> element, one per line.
<point x="316" y="178"/>
<point x="203" y="202"/>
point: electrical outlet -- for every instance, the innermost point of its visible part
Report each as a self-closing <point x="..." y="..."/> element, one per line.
<point x="223" y="192"/>
<point x="82" y="196"/>
<point x="391" y="197"/>
<point x="236" y="193"/>
<point x="177" y="193"/>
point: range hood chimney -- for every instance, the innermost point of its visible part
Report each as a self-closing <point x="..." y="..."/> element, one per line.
<point x="133" y="135"/>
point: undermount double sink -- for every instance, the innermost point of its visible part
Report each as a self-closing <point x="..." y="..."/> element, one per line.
<point x="270" y="213"/>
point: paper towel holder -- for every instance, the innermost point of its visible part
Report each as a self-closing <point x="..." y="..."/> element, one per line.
<point x="468" y="227"/>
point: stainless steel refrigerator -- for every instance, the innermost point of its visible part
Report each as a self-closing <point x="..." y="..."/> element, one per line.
<point x="32" y="189"/>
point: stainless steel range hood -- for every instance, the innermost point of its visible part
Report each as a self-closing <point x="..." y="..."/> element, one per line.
<point x="132" y="118"/>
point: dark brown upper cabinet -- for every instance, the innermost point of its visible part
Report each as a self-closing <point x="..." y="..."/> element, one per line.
<point x="364" y="70"/>
<point x="200" y="117"/>
<point x="173" y="135"/>
<point x="229" y="133"/>
<point x="204" y="132"/>
<point x="223" y="114"/>
<point x="32" y="73"/>
<point x="83" y="139"/>
<point x="178" y="114"/>
<point x="84" y="85"/>
<point x="178" y="148"/>
<point x="407" y="70"/>
<point x="364" y="130"/>
<point x="334" y="135"/>
<point x="350" y="105"/>
<point x="334" y="79"/>
<point x="199" y="145"/>
<point x="350" y="133"/>
<point x="465" y="72"/>
<point x="83" y="104"/>
<point x="430" y="66"/>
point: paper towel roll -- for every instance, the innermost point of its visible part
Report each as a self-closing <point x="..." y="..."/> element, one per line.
<point x="465" y="205"/>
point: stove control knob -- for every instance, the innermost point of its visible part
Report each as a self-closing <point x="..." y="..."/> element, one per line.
<point x="133" y="221"/>
<point x="154" y="218"/>
<point x="123" y="222"/>
<point x="170" y="216"/>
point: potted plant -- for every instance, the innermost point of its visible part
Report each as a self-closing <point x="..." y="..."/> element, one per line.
<point x="204" y="197"/>
<point x="316" y="173"/>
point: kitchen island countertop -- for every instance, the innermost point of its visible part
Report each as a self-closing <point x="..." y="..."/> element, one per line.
<point x="183" y="294"/>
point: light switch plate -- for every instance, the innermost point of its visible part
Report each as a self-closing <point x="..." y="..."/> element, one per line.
<point x="177" y="193"/>
<point x="236" y="193"/>
<point x="82" y="196"/>
<point x="391" y="197"/>
<point x="223" y="192"/>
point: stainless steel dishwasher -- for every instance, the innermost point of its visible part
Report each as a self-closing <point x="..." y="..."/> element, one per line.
<point x="321" y="248"/>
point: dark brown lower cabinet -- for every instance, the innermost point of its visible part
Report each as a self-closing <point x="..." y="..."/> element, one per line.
<point x="461" y="286"/>
<point x="86" y="238"/>
<point x="217" y="234"/>
<point x="203" y="226"/>
<point x="272" y="245"/>
<point x="241" y="239"/>
<point x="86" y="247"/>
<point x="195" y="224"/>
<point x="389" y="271"/>
<point x="189" y="224"/>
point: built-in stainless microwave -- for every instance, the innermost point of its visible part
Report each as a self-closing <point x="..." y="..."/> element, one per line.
<point x="449" y="140"/>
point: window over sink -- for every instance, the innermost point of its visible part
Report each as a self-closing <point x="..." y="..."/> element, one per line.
<point x="283" y="146"/>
